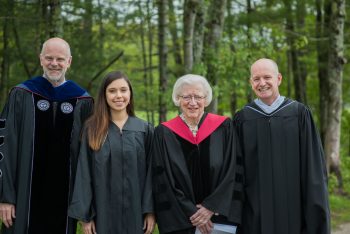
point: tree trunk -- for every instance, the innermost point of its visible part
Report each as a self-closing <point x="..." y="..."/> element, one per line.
<point x="198" y="34"/>
<point x="150" y="63"/>
<point x="336" y="62"/>
<point x="5" y="64"/>
<point x="176" y="51"/>
<point x="230" y="26"/>
<point x="298" y="67"/>
<point x="101" y="31"/>
<point x="323" y="9"/>
<point x="87" y="28"/>
<point x="144" y="63"/>
<point x="55" y="23"/>
<point x="212" y="40"/>
<point x="190" y="8"/>
<point x="20" y="50"/>
<point x="249" y="10"/>
<point x="162" y="50"/>
<point x="44" y="29"/>
<point x="301" y="52"/>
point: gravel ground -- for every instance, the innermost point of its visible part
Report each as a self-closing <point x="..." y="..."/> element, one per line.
<point x="342" y="229"/>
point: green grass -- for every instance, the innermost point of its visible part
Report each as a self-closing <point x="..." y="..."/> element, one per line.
<point x="339" y="205"/>
<point x="340" y="210"/>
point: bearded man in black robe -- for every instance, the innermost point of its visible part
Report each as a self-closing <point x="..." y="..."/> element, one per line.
<point x="285" y="182"/>
<point x="39" y="140"/>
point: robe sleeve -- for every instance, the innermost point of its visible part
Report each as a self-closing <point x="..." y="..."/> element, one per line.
<point x="10" y="122"/>
<point x="313" y="176"/>
<point x="147" y="195"/>
<point x="226" y="197"/>
<point x="81" y="206"/>
<point x="82" y="111"/>
<point x="173" y="207"/>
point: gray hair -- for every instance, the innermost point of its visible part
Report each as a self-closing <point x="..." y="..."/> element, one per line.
<point x="190" y="80"/>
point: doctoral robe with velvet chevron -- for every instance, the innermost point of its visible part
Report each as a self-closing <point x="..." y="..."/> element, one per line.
<point x="40" y="129"/>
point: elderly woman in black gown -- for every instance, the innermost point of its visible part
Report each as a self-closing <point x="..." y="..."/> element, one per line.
<point x="195" y="172"/>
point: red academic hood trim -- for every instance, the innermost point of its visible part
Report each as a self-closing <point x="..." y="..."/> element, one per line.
<point x="209" y="125"/>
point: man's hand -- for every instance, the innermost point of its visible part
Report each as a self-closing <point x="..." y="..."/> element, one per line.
<point x="7" y="213"/>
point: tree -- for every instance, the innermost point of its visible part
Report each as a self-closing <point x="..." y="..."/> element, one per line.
<point x="198" y="34"/>
<point x="215" y="24"/>
<point x="176" y="49"/>
<point x="52" y="9"/>
<point x="189" y="19"/>
<point x="150" y="57"/>
<point x="336" y="62"/>
<point x="163" y="53"/>
<point x="295" y="47"/>
<point x="5" y="64"/>
<point x="144" y="61"/>
<point x="323" y="9"/>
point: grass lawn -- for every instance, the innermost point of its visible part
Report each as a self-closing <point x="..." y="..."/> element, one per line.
<point x="340" y="209"/>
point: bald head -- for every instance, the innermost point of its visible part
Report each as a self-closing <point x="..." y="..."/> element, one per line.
<point x="265" y="62"/>
<point x="56" y="42"/>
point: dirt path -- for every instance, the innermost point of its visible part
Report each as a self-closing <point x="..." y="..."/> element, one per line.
<point x="342" y="229"/>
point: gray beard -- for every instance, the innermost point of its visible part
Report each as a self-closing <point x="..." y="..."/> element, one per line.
<point x="54" y="79"/>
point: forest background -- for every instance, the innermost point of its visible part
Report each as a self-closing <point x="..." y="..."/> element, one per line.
<point x="155" y="42"/>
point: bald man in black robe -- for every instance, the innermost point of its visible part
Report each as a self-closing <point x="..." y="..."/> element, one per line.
<point x="285" y="182"/>
<point x="39" y="142"/>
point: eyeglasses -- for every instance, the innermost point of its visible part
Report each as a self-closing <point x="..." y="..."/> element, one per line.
<point x="188" y="98"/>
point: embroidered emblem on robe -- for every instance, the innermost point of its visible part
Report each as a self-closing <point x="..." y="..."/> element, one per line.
<point x="43" y="105"/>
<point x="66" y="107"/>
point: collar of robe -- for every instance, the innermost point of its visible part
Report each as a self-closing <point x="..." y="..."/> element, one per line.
<point x="209" y="125"/>
<point x="42" y="87"/>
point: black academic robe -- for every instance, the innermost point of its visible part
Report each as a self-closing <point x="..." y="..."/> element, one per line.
<point x="190" y="170"/>
<point x="40" y="131"/>
<point x="285" y="174"/>
<point x="113" y="185"/>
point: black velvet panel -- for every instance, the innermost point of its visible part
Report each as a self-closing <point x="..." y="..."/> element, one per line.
<point x="2" y="123"/>
<point x="50" y="178"/>
<point x="198" y="163"/>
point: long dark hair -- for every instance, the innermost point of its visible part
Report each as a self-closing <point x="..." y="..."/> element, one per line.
<point x="97" y="124"/>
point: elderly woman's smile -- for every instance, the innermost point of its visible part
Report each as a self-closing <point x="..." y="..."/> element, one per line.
<point x="192" y="102"/>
